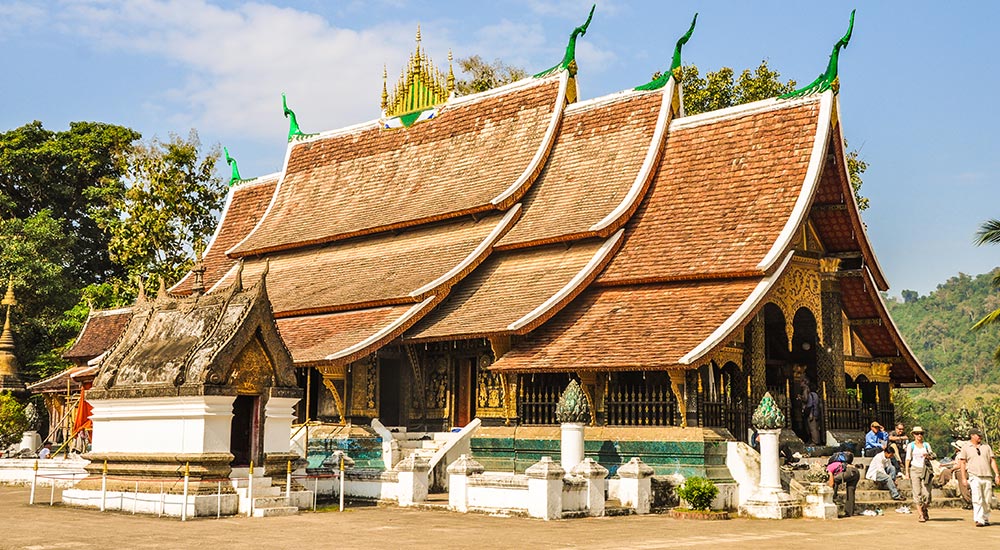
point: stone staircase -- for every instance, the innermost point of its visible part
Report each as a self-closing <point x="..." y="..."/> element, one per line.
<point x="873" y="496"/>
<point x="269" y="499"/>
<point x="420" y="444"/>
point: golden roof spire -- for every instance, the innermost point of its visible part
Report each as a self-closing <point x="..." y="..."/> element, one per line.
<point x="9" y="377"/>
<point x="421" y="85"/>
<point x="451" y="74"/>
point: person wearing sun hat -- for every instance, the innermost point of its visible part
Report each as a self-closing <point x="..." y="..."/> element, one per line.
<point x="980" y="467"/>
<point x="919" y="471"/>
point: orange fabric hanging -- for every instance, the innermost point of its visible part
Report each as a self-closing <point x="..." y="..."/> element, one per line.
<point x="82" y="419"/>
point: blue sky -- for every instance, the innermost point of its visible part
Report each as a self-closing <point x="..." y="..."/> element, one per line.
<point x="916" y="81"/>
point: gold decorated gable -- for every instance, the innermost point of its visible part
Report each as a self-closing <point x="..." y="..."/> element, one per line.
<point x="252" y="370"/>
<point x="875" y="371"/>
<point x="728" y="354"/>
<point x="799" y="287"/>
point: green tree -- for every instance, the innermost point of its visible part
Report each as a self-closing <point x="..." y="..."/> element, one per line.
<point x="162" y="208"/>
<point x="42" y="170"/>
<point x="482" y="76"/>
<point x="37" y="253"/>
<point x="13" y="421"/>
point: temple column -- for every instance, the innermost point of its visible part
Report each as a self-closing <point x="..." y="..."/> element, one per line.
<point x="830" y="356"/>
<point x="753" y="356"/>
<point x="678" y="385"/>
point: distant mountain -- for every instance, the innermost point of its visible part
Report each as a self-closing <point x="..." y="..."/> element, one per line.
<point x="937" y="328"/>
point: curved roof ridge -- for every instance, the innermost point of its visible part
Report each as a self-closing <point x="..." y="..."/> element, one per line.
<point x="606" y="99"/>
<point x="854" y="213"/>
<point x="630" y="202"/>
<point x="901" y="344"/>
<point x="722" y="334"/>
<point x="526" y="82"/>
<point x="800" y="211"/>
<point x="720" y="115"/>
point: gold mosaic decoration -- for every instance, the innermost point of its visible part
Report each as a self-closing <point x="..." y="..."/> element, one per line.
<point x="875" y="371"/>
<point x="489" y="390"/>
<point x="800" y="287"/>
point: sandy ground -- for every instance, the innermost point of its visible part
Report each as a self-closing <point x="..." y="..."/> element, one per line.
<point x="44" y="527"/>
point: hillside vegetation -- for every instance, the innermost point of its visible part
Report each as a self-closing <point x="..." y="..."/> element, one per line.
<point x="937" y="328"/>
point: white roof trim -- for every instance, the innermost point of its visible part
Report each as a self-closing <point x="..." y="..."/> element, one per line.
<point x="383" y="332"/>
<point x="606" y="100"/>
<point x="720" y="115"/>
<point x="225" y="210"/>
<point x="488" y="242"/>
<point x="501" y="90"/>
<point x="107" y="312"/>
<point x="224" y="278"/>
<point x="725" y="329"/>
<point x="602" y="253"/>
<point x="652" y="153"/>
<point x="546" y="144"/>
<point x="854" y="203"/>
<point x="270" y="205"/>
<point x="801" y="209"/>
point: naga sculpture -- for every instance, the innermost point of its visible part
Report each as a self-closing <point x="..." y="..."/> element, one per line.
<point x="827" y="80"/>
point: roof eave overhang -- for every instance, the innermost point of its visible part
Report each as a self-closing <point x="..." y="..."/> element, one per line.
<point x="904" y="350"/>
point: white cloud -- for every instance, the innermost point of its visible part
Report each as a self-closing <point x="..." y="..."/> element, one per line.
<point x="571" y="9"/>
<point x="15" y="17"/>
<point x="238" y="61"/>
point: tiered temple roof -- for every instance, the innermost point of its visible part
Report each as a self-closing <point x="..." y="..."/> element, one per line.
<point x="614" y="233"/>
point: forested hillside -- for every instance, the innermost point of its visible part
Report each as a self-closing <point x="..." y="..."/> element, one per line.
<point x="937" y="328"/>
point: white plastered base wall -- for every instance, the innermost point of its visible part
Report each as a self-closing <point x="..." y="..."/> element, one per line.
<point x="195" y="424"/>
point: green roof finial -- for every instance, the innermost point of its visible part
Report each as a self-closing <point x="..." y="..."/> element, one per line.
<point x="293" y="123"/>
<point x="235" y="177"/>
<point x="569" y="59"/>
<point x="768" y="415"/>
<point x="827" y="80"/>
<point x="675" y="65"/>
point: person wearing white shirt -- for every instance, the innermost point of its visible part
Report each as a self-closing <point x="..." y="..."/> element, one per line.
<point x="46" y="451"/>
<point x="920" y="471"/>
<point x="881" y="470"/>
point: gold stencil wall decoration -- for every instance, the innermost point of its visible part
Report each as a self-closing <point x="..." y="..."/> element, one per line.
<point x="252" y="370"/>
<point x="800" y="287"/>
<point x="437" y="391"/>
<point x="489" y="390"/>
<point x="364" y="388"/>
<point x="875" y="371"/>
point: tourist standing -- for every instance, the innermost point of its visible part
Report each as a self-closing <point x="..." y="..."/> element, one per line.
<point x="881" y="470"/>
<point x="980" y="467"/>
<point x="919" y="471"/>
<point x="810" y="413"/>
<point x="875" y="440"/>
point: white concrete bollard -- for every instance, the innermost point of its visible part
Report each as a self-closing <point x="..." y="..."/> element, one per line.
<point x="770" y="462"/>
<point x="545" y="483"/>
<point x="635" y="487"/>
<point x="596" y="476"/>
<point x="412" y="480"/>
<point x="571" y="448"/>
<point x="458" y="482"/>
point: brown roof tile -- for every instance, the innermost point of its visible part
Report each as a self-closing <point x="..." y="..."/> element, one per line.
<point x="244" y="207"/>
<point x="371" y="179"/>
<point x="594" y="163"/>
<point x="328" y="338"/>
<point x="629" y="327"/>
<point x="99" y="332"/>
<point x="375" y="270"/>
<point x="510" y="285"/>
<point x="723" y="192"/>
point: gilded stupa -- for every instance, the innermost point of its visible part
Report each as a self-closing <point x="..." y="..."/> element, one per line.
<point x="10" y="380"/>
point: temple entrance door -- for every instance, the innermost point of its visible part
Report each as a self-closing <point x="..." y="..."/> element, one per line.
<point x="243" y="430"/>
<point x="389" y="394"/>
<point x="465" y="402"/>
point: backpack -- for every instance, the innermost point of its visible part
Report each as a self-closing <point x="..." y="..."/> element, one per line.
<point x="846" y="457"/>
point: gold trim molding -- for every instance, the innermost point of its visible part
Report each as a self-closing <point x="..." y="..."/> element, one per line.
<point x="875" y="371"/>
<point x="800" y="287"/>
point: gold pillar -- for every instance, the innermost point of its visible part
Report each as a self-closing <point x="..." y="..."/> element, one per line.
<point x="677" y="386"/>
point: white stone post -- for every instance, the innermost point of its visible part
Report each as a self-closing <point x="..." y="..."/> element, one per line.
<point x="412" y="480"/>
<point x="770" y="461"/>
<point x="458" y="482"/>
<point x="596" y="476"/>
<point x="279" y="413"/>
<point x="545" y="484"/>
<point x="571" y="449"/>
<point x="770" y="501"/>
<point x="635" y="487"/>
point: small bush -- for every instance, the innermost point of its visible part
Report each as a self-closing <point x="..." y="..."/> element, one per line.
<point x="13" y="423"/>
<point x="698" y="492"/>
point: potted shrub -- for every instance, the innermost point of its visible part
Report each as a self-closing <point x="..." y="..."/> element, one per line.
<point x="698" y="493"/>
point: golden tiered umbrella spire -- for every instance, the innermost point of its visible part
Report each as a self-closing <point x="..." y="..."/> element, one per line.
<point x="9" y="378"/>
<point x="420" y="86"/>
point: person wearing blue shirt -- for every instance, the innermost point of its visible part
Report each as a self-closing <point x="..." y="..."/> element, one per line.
<point x="875" y="440"/>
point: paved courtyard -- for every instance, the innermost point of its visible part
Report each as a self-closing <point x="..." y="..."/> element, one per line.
<point x="43" y="527"/>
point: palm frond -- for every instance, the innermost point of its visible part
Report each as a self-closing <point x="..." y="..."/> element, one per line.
<point x="991" y="318"/>
<point x="989" y="233"/>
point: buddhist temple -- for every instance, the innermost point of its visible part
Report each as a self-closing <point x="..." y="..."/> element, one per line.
<point x="466" y="257"/>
